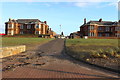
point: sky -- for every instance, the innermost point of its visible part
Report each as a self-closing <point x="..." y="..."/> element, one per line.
<point x="69" y="14"/>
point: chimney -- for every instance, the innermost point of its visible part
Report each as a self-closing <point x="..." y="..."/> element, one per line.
<point x="119" y="21"/>
<point x="100" y="20"/>
<point x="10" y="19"/>
<point x="45" y="22"/>
<point x="50" y="29"/>
<point x="84" y="20"/>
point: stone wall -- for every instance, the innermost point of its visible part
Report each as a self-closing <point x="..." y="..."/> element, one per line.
<point x="8" y="51"/>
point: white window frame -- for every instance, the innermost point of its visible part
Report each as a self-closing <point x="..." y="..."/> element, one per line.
<point x="36" y="32"/>
<point x="91" y="27"/>
<point x="88" y="27"/>
<point x="88" y="34"/>
<point x="28" y="26"/>
<point x="107" y="28"/>
<point x="10" y="25"/>
<point x="107" y="34"/>
<point x="37" y="25"/>
<point x="9" y="32"/>
<point x="21" y="32"/>
<point x="99" y="28"/>
<point x="92" y="34"/>
<point x="21" y="27"/>
<point x="117" y="28"/>
<point x="117" y="34"/>
<point x="99" y="35"/>
<point x="39" y="32"/>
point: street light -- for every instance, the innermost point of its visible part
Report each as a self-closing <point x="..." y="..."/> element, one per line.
<point x="60" y="30"/>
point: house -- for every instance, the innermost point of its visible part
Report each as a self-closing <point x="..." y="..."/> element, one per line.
<point x="75" y="35"/>
<point x="100" y="29"/>
<point x="27" y="26"/>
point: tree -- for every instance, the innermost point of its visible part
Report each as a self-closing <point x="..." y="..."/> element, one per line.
<point x="62" y="34"/>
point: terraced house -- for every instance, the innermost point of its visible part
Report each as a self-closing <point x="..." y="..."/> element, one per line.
<point x="27" y="26"/>
<point x="100" y="29"/>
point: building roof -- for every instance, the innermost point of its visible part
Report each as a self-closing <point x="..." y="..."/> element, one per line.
<point x="101" y="23"/>
<point x="24" y="21"/>
<point x="28" y="20"/>
<point x="105" y="23"/>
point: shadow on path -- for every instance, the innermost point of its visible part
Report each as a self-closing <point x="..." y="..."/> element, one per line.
<point x="74" y="73"/>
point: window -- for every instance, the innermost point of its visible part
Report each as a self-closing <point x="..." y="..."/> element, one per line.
<point x="9" y="32"/>
<point x="37" y="26"/>
<point x="28" y="26"/>
<point x="21" y="32"/>
<point x="117" y="34"/>
<point x="111" y="29"/>
<point x="9" y="25"/>
<point x="88" y="34"/>
<point x="117" y="28"/>
<point x="107" y="35"/>
<point x="107" y="29"/>
<point x="88" y="27"/>
<point x="100" y="35"/>
<point x="91" y="27"/>
<point x="99" y="28"/>
<point x="21" y="27"/>
<point x="36" y="32"/>
<point x="91" y="34"/>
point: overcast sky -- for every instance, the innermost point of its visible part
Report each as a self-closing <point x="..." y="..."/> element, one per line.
<point x="68" y="14"/>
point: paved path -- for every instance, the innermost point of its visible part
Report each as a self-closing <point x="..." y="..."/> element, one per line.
<point x="48" y="61"/>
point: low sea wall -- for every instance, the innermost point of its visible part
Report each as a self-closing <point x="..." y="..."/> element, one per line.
<point x="9" y="51"/>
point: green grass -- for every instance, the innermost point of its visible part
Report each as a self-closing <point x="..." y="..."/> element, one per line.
<point x="87" y="42"/>
<point x="29" y="42"/>
<point x="84" y="47"/>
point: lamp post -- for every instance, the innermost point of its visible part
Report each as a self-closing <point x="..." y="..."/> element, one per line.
<point x="60" y="30"/>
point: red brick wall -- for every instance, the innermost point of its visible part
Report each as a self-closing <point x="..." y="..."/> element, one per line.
<point x="104" y="37"/>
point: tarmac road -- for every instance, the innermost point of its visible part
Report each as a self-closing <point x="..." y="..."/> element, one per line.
<point x="49" y="61"/>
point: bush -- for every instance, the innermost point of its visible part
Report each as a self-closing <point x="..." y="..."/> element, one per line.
<point x="107" y="53"/>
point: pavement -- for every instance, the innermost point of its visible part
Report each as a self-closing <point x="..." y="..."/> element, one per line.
<point x="49" y="61"/>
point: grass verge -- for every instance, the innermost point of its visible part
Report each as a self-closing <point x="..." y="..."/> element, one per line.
<point x="29" y="42"/>
<point x="103" y="52"/>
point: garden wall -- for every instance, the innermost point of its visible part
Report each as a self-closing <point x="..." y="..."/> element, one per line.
<point x="8" y="51"/>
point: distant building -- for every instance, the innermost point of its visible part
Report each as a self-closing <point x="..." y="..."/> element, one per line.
<point x="27" y="26"/>
<point x="75" y="35"/>
<point x="100" y="29"/>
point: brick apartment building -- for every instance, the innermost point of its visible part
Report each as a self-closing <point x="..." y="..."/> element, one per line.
<point x="99" y="29"/>
<point x="27" y="26"/>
